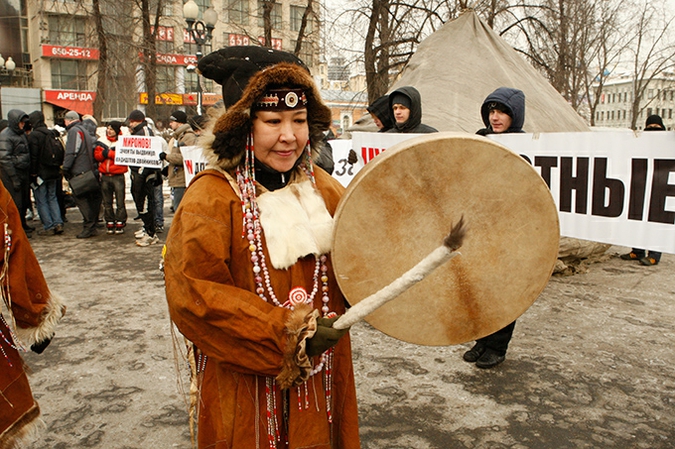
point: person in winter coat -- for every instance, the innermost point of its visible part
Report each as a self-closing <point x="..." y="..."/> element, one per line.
<point x="143" y="183"/>
<point x="15" y="162"/>
<point x="254" y="228"/>
<point x="503" y="111"/>
<point x="30" y="315"/>
<point x="183" y="135"/>
<point x="380" y="111"/>
<point x="112" y="179"/>
<point x="647" y="258"/>
<point x="45" y="169"/>
<point x="80" y="159"/>
<point x="405" y="104"/>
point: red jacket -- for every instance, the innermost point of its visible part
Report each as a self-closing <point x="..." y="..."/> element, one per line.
<point x="106" y="162"/>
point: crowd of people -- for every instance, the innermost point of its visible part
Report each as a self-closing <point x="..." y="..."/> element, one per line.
<point x="35" y="160"/>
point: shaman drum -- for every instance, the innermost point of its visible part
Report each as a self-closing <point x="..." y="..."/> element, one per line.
<point x="403" y="203"/>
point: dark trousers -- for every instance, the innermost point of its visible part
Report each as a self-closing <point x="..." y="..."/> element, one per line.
<point x="113" y="185"/>
<point x="149" y="216"/>
<point x="90" y="206"/>
<point x="18" y="194"/>
<point x="640" y="253"/>
<point x="499" y="341"/>
<point x="137" y="190"/>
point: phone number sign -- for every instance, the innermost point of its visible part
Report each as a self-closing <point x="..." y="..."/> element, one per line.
<point x="58" y="51"/>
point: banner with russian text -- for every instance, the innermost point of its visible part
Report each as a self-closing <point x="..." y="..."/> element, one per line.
<point x="193" y="162"/>
<point x="139" y="151"/>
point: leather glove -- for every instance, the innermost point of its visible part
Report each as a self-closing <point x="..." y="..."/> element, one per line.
<point x="38" y="348"/>
<point x="325" y="337"/>
<point x="162" y="156"/>
<point x="352" y="158"/>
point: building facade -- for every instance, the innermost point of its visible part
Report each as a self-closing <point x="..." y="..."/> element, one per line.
<point x="614" y="108"/>
<point x="56" y="46"/>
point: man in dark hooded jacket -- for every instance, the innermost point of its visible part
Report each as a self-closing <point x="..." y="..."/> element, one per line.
<point x="380" y="111"/>
<point x="503" y="111"/>
<point x="406" y="106"/>
<point x="15" y="161"/>
<point x="46" y="175"/>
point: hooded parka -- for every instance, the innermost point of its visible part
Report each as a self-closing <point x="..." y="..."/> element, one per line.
<point x="414" y="123"/>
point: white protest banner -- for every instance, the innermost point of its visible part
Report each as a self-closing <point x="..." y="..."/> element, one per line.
<point x="343" y="171"/>
<point x="612" y="187"/>
<point x="139" y="151"/>
<point x="193" y="162"/>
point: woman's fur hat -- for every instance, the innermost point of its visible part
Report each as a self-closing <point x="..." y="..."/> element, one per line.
<point x="232" y="129"/>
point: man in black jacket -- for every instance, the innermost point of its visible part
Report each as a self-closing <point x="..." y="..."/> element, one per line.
<point x="503" y="111"/>
<point x="143" y="182"/>
<point x="15" y="162"/>
<point x="45" y="173"/>
<point x="405" y="104"/>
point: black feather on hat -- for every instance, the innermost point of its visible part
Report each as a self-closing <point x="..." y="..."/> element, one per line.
<point x="233" y="67"/>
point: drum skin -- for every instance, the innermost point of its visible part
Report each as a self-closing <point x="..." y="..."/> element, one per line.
<point x="403" y="203"/>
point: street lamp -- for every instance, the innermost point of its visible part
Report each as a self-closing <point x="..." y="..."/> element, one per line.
<point x="8" y="66"/>
<point x="202" y="32"/>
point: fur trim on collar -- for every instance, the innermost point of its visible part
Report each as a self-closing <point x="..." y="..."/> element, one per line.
<point x="295" y="222"/>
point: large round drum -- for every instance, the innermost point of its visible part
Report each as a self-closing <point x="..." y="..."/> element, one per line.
<point x="402" y="204"/>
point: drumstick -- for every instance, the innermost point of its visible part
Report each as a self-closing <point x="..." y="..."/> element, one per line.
<point x="425" y="267"/>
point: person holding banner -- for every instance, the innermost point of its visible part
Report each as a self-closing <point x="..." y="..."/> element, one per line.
<point x="249" y="279"/>
<point x="503" y="111"/>
<point x="405" y="104"/>
<point x="143" y="182"/>
<point x="112" y="179"/>
<point x="648" y="258"/>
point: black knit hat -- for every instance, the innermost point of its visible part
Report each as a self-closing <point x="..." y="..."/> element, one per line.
<point x="233" y="67"/>
<point x="400" y="98"/>
<point x="136" y="116"/>
<point x="178" y="116"/>
<point x="117" y="126"/>
<point x="654" y="120"/>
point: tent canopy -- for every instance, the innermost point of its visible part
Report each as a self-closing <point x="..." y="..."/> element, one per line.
<point x="459" y="65"/>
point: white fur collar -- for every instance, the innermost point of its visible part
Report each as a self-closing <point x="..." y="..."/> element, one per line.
<point x="296" y="223"/>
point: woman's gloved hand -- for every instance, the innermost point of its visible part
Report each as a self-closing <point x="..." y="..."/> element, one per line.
<point x="325" y="337"/>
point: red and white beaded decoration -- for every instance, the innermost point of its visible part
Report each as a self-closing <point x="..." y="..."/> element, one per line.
<point x="252" y="231"/>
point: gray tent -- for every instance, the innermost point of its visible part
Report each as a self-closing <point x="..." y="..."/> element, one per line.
<point x="460" y="64"/>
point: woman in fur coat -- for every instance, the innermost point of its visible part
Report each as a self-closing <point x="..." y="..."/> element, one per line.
<point x="249" y="279"/>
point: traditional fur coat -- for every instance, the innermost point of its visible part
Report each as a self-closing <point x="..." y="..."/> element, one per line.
<point x="254" y="375"/>
<point x="34" y="310"/>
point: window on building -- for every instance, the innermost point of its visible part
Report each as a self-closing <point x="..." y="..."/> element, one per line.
<point x="649" y="111"/>
<point x="166" y="79"/>
<point x="275" y="14"/>
<point x="612" y="115"/>
<point x="167" y="8"/>
<point x="69" y="74"/>
<point x="650" y="93"/>
<point x="67" y="31"/>
<point x="624" y="114"/>
<point x="238" y="11"/>
<point x="296" y="19"/>
<point x="191" y="81"/>
<point x="602" y="115"/>
<point x="670" y="113"/>
<point x="597" y="116"/>
<point x="165" y="47"/>
<point x="614" y="98"/>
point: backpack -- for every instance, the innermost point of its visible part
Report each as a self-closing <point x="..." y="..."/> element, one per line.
<point x="53" y="151"/>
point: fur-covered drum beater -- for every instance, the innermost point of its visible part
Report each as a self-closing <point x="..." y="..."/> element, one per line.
<point x="399" y="209"/>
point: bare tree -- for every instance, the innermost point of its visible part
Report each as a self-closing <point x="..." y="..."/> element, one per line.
<point x="652" y="55"/>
